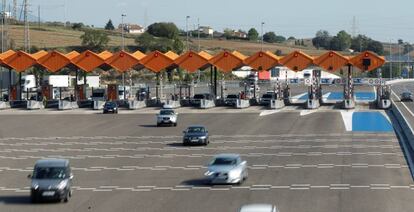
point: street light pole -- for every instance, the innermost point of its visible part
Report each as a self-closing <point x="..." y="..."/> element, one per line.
<point x="123" y="49"/>
<point x="262" y="36"/>
<point x="186" y="30"/>
<point x="198" y="34"/>
<point x="390" y="59"/>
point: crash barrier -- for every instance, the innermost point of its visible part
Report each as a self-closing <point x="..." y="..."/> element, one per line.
<point x="185" y="102"/>
<point x="408" y="133"/>
<point x="4" y="105"/>
<point x="384" y="103"/>
<point x="85" y="104"/>
<point x="135" y="105"/>
<point x="242" y="103"/>
<point x="67" y="105"/>
<point x="277" y="104"/>
<point x="172" y="104"/>
<point x="52" y="104"/>
<point x="312" y="104"/>
<point x="98" y="105"/>
<point x="154" y="103"/>
<point x="205" y="104"/>
<point x="34" y="105"/>
<point x="18" y="104"/>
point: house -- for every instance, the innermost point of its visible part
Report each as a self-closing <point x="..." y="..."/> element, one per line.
<point x="206" y="30"/>
<point x="240" y="34"/>
<point x="132" y="28"/>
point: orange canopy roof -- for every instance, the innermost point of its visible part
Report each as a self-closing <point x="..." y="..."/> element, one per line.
<point x="191" y="61"/>
<point x="226" y="61"/>
<point x="156" y="61"/>
<point x="139" y="55"/>
<point x="239" y="55"/>
<point x="297" y="61"/>
<point x="375" y="61"/>
<point x="331" y="61"/>
<point x="5" y="55"/>
<point x="205" y="55"/>
<point x="72" y="55"/>
<point x="20" y="61"/>
<point x="262" y="61"/>
<point x="122" y="61"/>
<point x="171" y="55"/>
<point x="88" y="61"/>
<point x="54" y="61"/>
<point x="105" y="55"/>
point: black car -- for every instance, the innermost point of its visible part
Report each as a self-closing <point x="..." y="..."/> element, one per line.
<point x="406" y="97"/>
<point x="231" y="99"/>
<point x="196" y="135"/>
<point x="196" y="100"/>
<point x="110" y="107"/>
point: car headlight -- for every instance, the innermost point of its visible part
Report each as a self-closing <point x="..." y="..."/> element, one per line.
<point x="208" y="173"/>
<point x="203" y="137"/>
<point x="234" y="174"/>
<point x="35" y="186"/>
<point x="62" y="185"/>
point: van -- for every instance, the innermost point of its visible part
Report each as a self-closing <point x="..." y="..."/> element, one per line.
<point x="51" y="180"/>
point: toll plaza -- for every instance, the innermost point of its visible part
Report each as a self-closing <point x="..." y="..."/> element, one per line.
<point x="192" y="92"/>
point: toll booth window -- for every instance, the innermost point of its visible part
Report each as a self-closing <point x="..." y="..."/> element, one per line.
<point x="98" y="95"/>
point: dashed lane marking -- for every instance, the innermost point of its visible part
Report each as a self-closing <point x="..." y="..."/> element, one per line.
<point x="181" y="188"/>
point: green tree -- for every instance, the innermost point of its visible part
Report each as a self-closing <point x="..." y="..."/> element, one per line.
<point x="408" y="48"/>
<point x="147" y="42"/>
<point x="164" y="30"/>
<point x="77" y="26"/>
<point x="253" y="35"/>
<point x="360" y="43"/>
<point x="109" y="25"/>
<point x="270" y="37"/>
<point x="280" y="39"/>
<point x="95" y="40"/>
<point x="376" y="47"/>
<point x="322" y="39"/>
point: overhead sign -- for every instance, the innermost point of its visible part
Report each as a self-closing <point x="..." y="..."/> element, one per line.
<point x="293" y="81"/>
<point x="308" y="82"/>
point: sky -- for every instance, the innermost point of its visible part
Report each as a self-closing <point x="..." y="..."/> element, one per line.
<point x="379" y="19"/>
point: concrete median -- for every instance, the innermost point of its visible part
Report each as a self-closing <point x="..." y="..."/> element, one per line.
<point x="67" y="105"/>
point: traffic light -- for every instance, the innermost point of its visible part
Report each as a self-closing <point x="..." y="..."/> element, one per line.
<point x="366" y="62"/>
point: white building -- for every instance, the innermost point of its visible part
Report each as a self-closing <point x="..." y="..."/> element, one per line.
<point x="132" y="28"/>
<point x="280" y="73"/>
<point x="206" y="30"/>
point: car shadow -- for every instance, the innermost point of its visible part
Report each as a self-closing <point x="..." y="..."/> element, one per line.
<point x="201" y="182"/>
<point x="149" y="126"/>
<point x="175" y="145"/>
<point x="15" y="200"/>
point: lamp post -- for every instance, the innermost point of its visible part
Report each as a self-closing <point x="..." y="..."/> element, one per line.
<point x="390" y="59"/>
<point x="123" y="48"/>
<point x="262" y="36"/>
<point x="186" y="30"/>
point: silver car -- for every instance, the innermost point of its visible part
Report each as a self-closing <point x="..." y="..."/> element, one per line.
<point x="167" y="117"/>
<point x="258" y="208"/>
<point x="51" y="180"/>
<point x="227" y="169"/>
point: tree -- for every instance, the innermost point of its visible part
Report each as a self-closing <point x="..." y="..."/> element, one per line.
<point x="376" y="47"/>
<point x="280" y="39"/>
<point x="408" y="48"/>
<point x="95" y="40"/>
<point x="164" y="30"/>
<point x="253" y="35"/>
<point x="109" y="25"/>
<point x="278" y="52"/>
<point x="322" y="39"/>
<point x="270" y="37"/>
<point x="400" y="41"/>
<point x="364" y="43"/>
<point x="147" y="42"/>
<point x="342" y="41"/>
<point x="77" y="26"/>
<point x="291" y="38"/>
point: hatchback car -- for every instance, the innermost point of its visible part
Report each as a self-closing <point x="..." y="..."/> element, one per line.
<point x="231" y="99"/>
<point x="407" y="97"/>
<point x="258" y="208"/>
<point x="266" y="98"/>
<point x="167" y="117"/>
<point x="196" y="135"/>
<point x="51" y="180"/>
<point x="227" y="169"/>
<point x="110" y="107"/>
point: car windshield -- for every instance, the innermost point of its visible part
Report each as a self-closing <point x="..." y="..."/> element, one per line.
<point x="232" y="96"/>
<point x="110" y="104"/>
<point x="50" y="173"/>
<point x="196" y="130"/>
<point x="224" y="161"/>
<point x="199" y="96"/>
<point x="167" y="112"/>
<point x="267" y="96"/>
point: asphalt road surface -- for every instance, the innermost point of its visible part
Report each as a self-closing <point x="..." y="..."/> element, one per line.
<point x="124" y="163"/>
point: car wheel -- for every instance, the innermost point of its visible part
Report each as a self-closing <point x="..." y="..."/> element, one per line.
<point x="175" y="124"/>
<point x="33" y="199"/>
<point x="158" y="125"/>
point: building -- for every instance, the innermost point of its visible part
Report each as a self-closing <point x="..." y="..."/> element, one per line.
<point x="206" y="30"/>
<point x="240" y="34"/>
<point x="132" y="28"/>
<point x="280" y="73"/>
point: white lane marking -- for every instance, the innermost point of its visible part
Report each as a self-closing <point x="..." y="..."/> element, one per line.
<point x="307" y="112"/>
<point x="325" y="96"/>
<point x="347" y="118"/>
<point x="269" y="112"/>
<point x="406" y="107"/>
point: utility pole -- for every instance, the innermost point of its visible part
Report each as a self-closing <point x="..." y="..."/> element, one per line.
<point x="261" y="45"/>
<point x="3" y="18"/>
<point x="186" y="30"/>
<point x="38" y="16"/>
<point x="123" y="49"/>
<point x="390" y="59"/>
<point x="26" y="27"/>
<point x="198" y="33"/>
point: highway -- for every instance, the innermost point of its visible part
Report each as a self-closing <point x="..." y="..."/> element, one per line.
<point x="124" y="163"/>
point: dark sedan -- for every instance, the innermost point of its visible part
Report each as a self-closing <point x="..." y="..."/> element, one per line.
<point x="196" y="135"/>
<point x="110" y="107"/>
<point x="406" y="97"/>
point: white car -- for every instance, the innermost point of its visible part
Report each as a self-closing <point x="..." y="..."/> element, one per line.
<point x="227" y="169"/>
<point x="167" y="117"/>
<point x="258" y="208"/>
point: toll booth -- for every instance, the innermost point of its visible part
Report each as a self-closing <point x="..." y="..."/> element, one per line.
<point x="15" y="93"/>
<point x="384" y="96"/>
<point x="279" y="101"/>
<point x="113" y="92"/>
<point x="314" y="90"/>
<point x="47" y="92"/>
<point x="349" y="94"/>
<point x="81" y="92"/>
